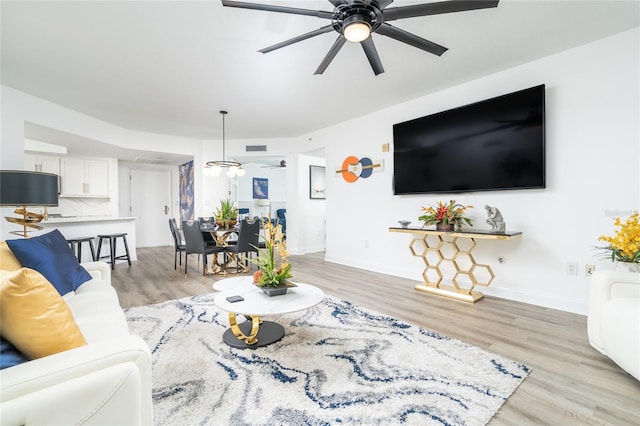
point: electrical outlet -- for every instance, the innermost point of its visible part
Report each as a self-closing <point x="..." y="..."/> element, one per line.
<point x="588" y="270"/>
<point x="572" y="268"/>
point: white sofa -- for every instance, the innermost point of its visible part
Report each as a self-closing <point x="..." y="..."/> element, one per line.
<point x="107" y="381"/>
<point x="613" y="321"/>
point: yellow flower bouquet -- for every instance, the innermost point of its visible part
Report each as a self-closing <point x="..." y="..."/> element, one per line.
<point x="274" y="270"/>
<point x="624" y="245"/>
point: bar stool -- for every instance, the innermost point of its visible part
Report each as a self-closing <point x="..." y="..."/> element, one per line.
<point x="112" y="248"/>
<point x="77" y="242"/>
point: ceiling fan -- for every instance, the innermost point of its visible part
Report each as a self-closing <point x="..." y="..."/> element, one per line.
<point x="281" y="165"/>
<point x="355" y="20"/>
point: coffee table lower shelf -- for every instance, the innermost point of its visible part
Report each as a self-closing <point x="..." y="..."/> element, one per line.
<point x="267" y="332"/>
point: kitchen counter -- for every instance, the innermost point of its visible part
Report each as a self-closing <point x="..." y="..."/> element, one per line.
<point x="91" y="226"/>
<point x="76" y="219"/>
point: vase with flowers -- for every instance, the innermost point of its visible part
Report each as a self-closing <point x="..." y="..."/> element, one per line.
<point x="446" y="217"/>
<point x="273" y="269"/>
<point x="624" y="245"/>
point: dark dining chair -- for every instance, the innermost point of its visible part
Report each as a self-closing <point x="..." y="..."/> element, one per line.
<point x="208" y="224"/>
<point x="247" y="242"/>
<point x="177" y="242"/>
<point x="195" y="244"/>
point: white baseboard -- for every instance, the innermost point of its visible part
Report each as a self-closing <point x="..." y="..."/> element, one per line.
<point x="565" y="305"/>
<point x="542" y="300"/>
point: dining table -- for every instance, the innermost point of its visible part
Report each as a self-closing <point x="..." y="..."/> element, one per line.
<point x="223" y="237"/>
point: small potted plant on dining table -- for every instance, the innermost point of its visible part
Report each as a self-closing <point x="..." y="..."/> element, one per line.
<point x="226" y="215"/>
<point x="446" y="217"/>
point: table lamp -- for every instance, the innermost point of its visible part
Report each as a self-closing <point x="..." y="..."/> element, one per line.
<point x="25" y="189"/>
<point x="264" y="202"/>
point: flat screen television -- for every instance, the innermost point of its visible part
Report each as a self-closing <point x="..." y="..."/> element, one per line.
<point x="495" y="144"/>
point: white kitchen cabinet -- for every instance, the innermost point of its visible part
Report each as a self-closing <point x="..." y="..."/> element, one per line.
<point x="85" y="177"/>
<point x="42" y="163"/>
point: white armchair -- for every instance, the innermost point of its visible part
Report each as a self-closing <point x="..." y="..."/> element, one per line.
<point x="613" y="321"/>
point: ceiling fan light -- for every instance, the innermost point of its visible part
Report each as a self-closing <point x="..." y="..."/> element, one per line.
<point x="240" y="172"/>
<point x="231" y="173"/>
<point x="357" y="31"/>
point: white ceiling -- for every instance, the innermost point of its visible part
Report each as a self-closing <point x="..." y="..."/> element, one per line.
<point x="169" y="67"/>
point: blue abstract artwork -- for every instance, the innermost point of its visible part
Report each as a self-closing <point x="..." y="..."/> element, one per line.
<point x="186" y="191"/>
<point x="260" y="188"/>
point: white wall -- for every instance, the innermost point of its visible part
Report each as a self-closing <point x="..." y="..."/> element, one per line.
<point x="592" y="143"/>
<point x="298" y="225"/>
<point x="593" y="154"/>
<point x="277" y="179"/>
<point x="311" y="213"/>
<point x="19" y="108"/>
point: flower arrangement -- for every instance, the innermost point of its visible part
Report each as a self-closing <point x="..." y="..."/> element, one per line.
<point x="446" y="214"/>
<point x="272" y="262"/>
<point x="624" y="245"/>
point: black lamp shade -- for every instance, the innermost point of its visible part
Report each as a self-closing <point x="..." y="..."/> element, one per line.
<point x="22" y="188"/>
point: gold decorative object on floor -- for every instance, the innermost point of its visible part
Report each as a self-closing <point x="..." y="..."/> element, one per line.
<point x="25" y="189"/>
<point x="437" y="248"/>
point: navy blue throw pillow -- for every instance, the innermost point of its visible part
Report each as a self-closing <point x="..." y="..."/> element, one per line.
<point x="9" y="355"/>
<point x="50" y="255"/>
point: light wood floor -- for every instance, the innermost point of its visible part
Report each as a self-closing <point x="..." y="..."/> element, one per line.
<point x="570" y="382"/>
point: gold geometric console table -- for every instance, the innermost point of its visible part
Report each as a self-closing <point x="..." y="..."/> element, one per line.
<point x="439" y="247"/>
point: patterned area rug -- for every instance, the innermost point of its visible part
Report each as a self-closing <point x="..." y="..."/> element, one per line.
<point x="337" y="364"/>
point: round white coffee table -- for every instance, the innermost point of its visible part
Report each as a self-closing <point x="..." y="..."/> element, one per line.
<point x="255" y="332"/>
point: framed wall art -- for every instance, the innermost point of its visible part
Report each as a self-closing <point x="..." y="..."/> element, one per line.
<point x="260" y="188"/>
<point x="316" y="183"/>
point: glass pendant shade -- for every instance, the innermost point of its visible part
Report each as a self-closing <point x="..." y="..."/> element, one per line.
<point x="215" y="170"/>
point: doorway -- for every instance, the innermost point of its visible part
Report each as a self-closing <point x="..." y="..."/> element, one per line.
<point x="150" y="201"/>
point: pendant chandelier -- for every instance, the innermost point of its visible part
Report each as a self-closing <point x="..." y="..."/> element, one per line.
<point x="214" y="168"/>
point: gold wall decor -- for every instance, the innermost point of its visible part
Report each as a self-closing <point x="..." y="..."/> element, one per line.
<point x="353" y="168"/>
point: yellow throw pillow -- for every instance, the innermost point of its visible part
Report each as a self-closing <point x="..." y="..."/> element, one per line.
<point x="8" y="261"/>
<point x="34" y="317"/>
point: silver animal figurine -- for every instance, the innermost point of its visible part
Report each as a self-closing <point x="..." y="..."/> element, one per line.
<point x="495" y="219"/>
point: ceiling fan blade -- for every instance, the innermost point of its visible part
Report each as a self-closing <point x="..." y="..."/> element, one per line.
<point x="337" y="45"/>
<point x="384" y="3"/>
<point x="436" y="8"/>
<point x="325" y="29"/>
<point x="412" y="39"/>
<point x="372" y="55"/>
<point x="280" y="9"/>
<point x="337" y="3"/>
